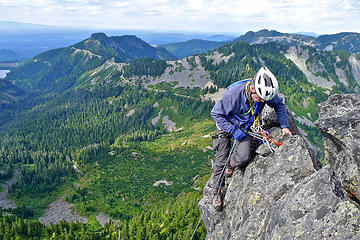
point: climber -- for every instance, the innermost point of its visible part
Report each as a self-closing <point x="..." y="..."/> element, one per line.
<point x="234" y="113"/>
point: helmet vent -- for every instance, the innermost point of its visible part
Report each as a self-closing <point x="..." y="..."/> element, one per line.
<point x="268" y="82"/>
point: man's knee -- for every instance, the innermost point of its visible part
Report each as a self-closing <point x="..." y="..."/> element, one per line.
<point x="240" y="159"/>
<point x="241" y="156"/>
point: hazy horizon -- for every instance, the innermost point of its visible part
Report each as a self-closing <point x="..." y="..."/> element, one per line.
<point x="195" y="16"/>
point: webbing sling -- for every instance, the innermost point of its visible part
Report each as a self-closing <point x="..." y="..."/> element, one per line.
<point x="254" y="114"/>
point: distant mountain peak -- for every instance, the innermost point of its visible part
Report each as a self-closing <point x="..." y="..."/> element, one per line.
<point x="311" y="34"/>
<point x="270" y="32"/>
<point x="98" y="36"/>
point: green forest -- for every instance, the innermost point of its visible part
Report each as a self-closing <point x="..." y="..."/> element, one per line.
<point x="93" y="131"/>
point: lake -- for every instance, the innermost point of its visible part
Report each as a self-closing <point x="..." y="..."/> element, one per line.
<point x="3" y="73"/>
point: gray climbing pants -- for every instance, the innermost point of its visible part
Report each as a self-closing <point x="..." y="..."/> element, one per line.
<point x="239" y="158"/>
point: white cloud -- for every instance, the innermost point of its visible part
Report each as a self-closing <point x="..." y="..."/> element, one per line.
<point x="321" y="16"/>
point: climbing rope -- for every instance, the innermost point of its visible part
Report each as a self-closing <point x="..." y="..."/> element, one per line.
<point x="221" y="177"/>
<point x="219" y="183"/>
<point x="259" y="133"/>
<point x="264" y="138"/>
<point x="196" y="228"/>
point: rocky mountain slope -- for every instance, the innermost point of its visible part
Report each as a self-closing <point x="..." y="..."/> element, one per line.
<point x="348" y="41"/>
<point x="265" y="36"/>
<point x="281" y="195"/>
<point x="104" y="117"/>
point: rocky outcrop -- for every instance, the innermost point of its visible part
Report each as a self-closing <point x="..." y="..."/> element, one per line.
<point x="286" y="195"/>
<point x="339" y="122"/>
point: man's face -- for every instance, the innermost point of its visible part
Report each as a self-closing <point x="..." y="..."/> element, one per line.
<point x="255" y="96"/>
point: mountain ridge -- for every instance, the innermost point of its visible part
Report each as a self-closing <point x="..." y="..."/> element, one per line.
<point x="59" y="69"/>
<point x="348" y="41"/>
<point x="192" y="47"/>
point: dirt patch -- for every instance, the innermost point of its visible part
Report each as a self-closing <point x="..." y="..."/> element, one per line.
<point x="163" y="181"/>
<point x="104" y="219"/>
<point x="215" y="96"/>
<point x="130" y="113"/>
<point x="5" y="202"/>
<point x="305" y="121"/>
<point x="61" y="210"/>
<point x="341" y="75"/>
<point x="168" y="124"/>
<point x="218" y="57"/>
<point x="355" y="68"/>
<point x="184" y="73"/>
<point x="156" y="119"/>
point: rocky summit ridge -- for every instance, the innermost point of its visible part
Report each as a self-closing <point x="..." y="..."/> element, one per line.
<point x="286" y="194"/>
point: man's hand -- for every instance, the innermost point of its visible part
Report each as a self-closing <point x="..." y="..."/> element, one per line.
<point x="236" y="133"/>
<point x="286" y="131"/>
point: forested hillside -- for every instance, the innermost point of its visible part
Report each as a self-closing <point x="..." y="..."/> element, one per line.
<point x="191" y="47"/>
<point x="60" y="69"/>
<point x="113" y="132"/>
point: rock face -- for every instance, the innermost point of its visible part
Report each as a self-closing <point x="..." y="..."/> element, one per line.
<point x="286" y="195"/>
<point x="339" y="122"/>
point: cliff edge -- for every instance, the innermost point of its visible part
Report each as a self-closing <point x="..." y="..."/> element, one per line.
<point x="285" y="194"/>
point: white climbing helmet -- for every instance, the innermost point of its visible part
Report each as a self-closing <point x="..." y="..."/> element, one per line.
<point x="266" y="85"/>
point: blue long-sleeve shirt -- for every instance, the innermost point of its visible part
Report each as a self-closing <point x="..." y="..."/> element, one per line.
<point x="234" y="101"/>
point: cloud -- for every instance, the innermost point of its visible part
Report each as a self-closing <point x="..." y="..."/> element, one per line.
<point x="322" y="16"/>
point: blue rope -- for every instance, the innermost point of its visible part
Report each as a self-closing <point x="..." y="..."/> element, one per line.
<point x="252" y="117"/>
<point x="238" y="82"/>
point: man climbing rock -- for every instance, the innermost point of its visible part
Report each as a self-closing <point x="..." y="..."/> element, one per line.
<point x="236" y="115"/>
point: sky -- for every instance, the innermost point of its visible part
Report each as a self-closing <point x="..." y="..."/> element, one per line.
<point x="215" y="16"/>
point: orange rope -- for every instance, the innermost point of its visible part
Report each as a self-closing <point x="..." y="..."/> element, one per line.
<point x="269" y="139"/>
